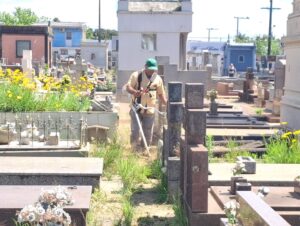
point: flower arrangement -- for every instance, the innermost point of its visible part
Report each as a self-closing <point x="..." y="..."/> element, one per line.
<point x="48" y="210"/>
<point x="239" y="168"/>
<point x="58" y="196"/>
<point x="212" y="94"/>
<point x="19" y="93"/>
<point x="230" y="209"/>
<point x="263" y="191"/>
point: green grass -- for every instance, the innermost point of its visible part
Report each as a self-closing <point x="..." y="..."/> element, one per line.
<point x="209" y="142"/>
<point x="132" y="173"/>
<point x="180" y="216"/>
<point x="235" y="151"/>
<point x="111" y="154"/>
<point x="162" y="186"/>
<point x="281" y="151"/>
<point x="128" y="211"/>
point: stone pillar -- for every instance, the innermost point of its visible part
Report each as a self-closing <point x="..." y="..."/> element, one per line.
<point x="195" y="155"/>
<point x="195" y="128"/>
<point x="194" y="95"/>
<point x="175" y="92"/>
<point x="175" y="117"/>
<point x="197" y="179"/>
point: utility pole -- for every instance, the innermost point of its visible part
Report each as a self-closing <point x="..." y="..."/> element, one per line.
<point x="271" y="8"/>
<point x="238" y="18"/>
<point x="99" y="25"/>
<point x="210" y="29"/>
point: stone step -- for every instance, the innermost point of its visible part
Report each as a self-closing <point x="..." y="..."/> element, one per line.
<point x="50" y="171"/>
<point x="12" y="199"/>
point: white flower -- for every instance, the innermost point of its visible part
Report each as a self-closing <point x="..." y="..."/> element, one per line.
<point x="263" y="191"/>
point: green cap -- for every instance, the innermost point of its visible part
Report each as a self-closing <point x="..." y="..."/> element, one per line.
<point x="151" y="64"/>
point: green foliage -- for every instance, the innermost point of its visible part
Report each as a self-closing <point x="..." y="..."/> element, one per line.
<point x="261" y="43"/>
<point x="111" y="154"/>
<point x="259" y="111"/>
<point x="17" y="98"/>
<point x="180" y="216"/>
<point x="155" y="169"/>
<point x="282" y="151"/>
<point x="132" y="173"/>
<point x="209" y="142"/>
<point x="19" y="17"/>
<point x="106" y="86"/>
<point x="97" y="200"/>
<point x="162" y="186"/>
<point x="128" y="211"/>
<point x="106" y="34"/>
<point x="235" y="151"/>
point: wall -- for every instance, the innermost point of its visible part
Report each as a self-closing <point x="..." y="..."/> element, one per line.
<point x="166" y="25"/>
<point x="232" y="53"/>
<point x="9" y="47"/>
<point x="60" y="34"/>
<point x="133" y="57"/>
<point x="100" y="51"/>
<point x="290" y="104"/>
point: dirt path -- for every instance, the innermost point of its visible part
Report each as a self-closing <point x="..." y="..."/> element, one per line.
<point x="147" y="210"/>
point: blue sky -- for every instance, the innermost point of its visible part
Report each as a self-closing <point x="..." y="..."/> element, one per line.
<point x="218" y="14"/>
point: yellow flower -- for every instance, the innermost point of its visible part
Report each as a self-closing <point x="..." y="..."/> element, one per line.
<point x="297" y="132"/>
<point x="9" y="95"/>
<point x="288" y="133"/>
<point x="19" y="97"/>
<point x="284" y="136"/>
<point x="294" y="141"/>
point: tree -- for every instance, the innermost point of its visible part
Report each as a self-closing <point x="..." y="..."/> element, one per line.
<point x="56" y="19"/>
<point x="261" y="43"/>
<point x="105" y="34"/>
<point x="19" y="17"/>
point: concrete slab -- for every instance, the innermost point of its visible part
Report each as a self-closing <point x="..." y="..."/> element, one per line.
<point x="211" y="218"/>
<point x="40" y="149"/>
<point x="281" y="199"/>
<point x="12" y="199"/>
<point x="234" y="133"/>
<point x="266" y="174"/>
<point x="50" y="171"/>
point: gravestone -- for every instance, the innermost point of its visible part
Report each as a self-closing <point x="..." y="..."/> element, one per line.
<point x="50" y="171"/>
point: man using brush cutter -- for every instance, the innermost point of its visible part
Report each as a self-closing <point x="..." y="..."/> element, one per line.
<point x="144" y="86"/>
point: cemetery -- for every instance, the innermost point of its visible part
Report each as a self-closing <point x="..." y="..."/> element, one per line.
<point x="217" y="161"/>
<point x="226" y="149"/>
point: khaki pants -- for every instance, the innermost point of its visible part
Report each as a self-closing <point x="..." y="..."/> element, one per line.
<point x="147" y="122"/>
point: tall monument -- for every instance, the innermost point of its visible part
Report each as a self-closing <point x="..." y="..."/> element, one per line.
<point x="290" y="104"/>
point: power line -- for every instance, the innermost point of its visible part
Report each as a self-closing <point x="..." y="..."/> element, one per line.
<point x="271" y="8"/>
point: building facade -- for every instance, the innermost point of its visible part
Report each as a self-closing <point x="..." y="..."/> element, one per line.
<point x="67" y="38"/>
<point x="290" y="103"/>
<point x="95" y="53"/>
<point x="15" y="39"/>
<point x="150" y="29"/>
<point x="241" y="55"/>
